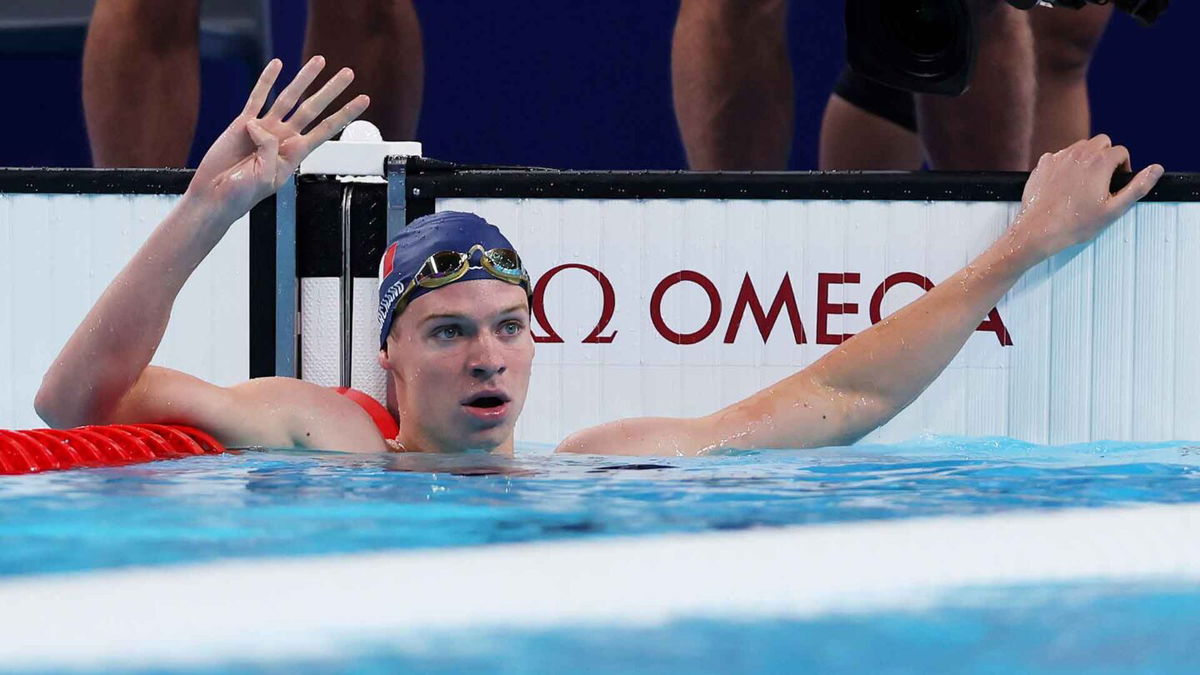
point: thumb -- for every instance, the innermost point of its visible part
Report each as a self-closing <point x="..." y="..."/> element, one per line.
<point x="1138" y="187"/>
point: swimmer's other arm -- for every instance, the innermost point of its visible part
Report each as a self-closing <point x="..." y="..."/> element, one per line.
<point x="103" y="374"/>
<point x="870" y="378"/>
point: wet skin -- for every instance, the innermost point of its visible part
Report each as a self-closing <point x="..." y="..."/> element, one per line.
<point x="460" y="358"/>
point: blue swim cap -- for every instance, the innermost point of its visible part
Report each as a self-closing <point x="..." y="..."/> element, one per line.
<point x="408" y="251"/>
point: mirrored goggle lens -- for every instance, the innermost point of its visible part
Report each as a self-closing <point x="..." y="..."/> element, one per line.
<point x="506" y="261"/>
<point x="441" y="264"/>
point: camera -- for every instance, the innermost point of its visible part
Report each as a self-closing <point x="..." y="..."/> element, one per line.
<point x="929" y="46"/>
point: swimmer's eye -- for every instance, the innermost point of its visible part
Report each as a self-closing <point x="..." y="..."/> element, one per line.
<point x="447" y="332"/>
<point x="512" y="327"/>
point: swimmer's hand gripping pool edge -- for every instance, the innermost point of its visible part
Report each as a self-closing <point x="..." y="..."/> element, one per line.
<point x="102" y="375"/>
<point x="870" y="378"/>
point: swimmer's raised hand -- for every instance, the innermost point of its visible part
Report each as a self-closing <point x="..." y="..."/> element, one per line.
<point x="1067" y="199"/>
<point x="259" y="151"/>
<point x="103" y="374"/>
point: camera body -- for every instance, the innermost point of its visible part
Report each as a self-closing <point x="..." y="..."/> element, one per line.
<point x="929" y="46"/>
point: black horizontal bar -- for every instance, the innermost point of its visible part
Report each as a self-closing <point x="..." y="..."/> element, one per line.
<point x="95" y="181"/>
<point x="433" y="180"/>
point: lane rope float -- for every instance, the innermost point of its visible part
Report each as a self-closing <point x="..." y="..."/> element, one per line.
<point x="37" y="450"/>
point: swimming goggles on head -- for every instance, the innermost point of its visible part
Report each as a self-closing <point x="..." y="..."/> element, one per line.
<point x="446" y="267"/>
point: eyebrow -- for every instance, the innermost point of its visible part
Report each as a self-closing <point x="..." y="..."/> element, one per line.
<point x="436" y="317"/>
<point x="463" y="317"/>
<point x="513" y="309"/>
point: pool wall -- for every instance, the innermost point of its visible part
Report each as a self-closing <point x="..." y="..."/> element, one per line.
<point x="676" y="293"/>
<point x="657" y="293"/>
<point x="64" y="235"/>
<point x="680" y="307"/>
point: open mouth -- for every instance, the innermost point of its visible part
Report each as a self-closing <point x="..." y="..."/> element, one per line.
<point x="486" y="401"/>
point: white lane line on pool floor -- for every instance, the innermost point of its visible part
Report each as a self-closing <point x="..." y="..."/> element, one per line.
<point x="312" y="607"/>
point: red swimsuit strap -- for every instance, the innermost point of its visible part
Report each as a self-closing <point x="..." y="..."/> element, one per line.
<point x="379" y="414"/>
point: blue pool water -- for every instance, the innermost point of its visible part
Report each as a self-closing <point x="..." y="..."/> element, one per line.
<point x="264" y="503"/>
<point x="278" y="502"/>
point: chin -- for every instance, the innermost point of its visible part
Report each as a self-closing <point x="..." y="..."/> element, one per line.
<point x="488" y="439"/>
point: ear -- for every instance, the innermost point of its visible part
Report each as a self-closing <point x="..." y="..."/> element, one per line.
<point x="382" y="357"/>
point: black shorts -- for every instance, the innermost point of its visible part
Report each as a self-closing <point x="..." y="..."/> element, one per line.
<point x="894" y="105"/>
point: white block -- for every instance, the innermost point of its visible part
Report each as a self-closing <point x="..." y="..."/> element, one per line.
<point x="321" y="331"/>
<point x="360" y="152"/>
<point x="365" y="373"/>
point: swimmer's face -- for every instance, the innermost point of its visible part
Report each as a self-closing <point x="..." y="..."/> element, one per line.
<point x="460" y="359"/>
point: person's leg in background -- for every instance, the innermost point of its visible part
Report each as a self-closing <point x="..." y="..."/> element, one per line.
<point x="991" y="126"/>
<point x="865" y="126"/>
<point x="141" y="82"/>
<point x="381" y="41"/>
<point x="731" y="77"/>
<point x="1064" y="40"/>
<point x="869" y="127"/>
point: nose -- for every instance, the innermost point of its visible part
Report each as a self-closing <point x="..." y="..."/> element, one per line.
<point x="487" y="361"/>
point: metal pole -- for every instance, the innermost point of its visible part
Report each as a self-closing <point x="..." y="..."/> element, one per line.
<point x="286" y="288"/>
<point x="347" y="289"/>
<point x="396" y="168"/>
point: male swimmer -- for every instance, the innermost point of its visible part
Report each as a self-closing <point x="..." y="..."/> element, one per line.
<point x="454" y="309"/>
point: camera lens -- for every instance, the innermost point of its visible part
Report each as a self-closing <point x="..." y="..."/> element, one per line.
<point x="926" y="46"/>
<point x="927" y="29"/>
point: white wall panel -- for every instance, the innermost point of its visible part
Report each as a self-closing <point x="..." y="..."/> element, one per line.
<point x="1104" y="337"/>
<point x="365" y="373"/>
<point x="321" y="330"/>
<point x="1154" y="319"/>
<point x="59" y="252"/>
<point x="1113" y="331"/>
<point x="1186" y="342"/>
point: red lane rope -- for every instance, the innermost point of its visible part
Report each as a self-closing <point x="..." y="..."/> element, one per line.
<point x="12" y="454"/>
<point x="179" y="440"/>
<point x="37" y="450"/>
<point x="64" y="453"/>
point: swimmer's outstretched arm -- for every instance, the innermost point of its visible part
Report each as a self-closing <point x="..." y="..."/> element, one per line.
<point x="103" y="375"/>
<point x="873" y="376"/>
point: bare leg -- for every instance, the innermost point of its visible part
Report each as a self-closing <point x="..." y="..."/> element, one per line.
<point x="732" y="83"/>
<point x="381" y="41"/>
<point x="1063" y="44"/>
<point x="141" y="82"/>
<point x="991" y="126"/>
<point x="853" y="139"/>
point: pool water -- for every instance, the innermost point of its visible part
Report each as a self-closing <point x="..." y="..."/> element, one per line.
<point x="264" y="503"/>
<point x="267" y="503"/>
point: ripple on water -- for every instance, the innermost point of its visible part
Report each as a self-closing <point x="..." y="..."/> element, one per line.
<point x="281" y="502"/>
